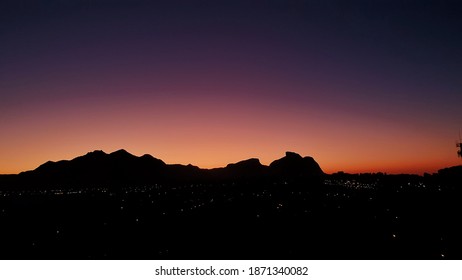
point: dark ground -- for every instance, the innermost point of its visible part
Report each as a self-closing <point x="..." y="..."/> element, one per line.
<point x="342" y="218"/>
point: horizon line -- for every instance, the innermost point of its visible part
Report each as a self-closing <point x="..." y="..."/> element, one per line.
<point x="210" y="168"/>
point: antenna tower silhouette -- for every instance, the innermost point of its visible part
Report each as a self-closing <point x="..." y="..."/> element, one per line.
<point x="459" y="145"/>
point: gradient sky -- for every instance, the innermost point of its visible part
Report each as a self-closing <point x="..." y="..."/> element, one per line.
<point x="362" y="86"/>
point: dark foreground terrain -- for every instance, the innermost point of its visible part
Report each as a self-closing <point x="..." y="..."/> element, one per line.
<point x="341" y="217"/>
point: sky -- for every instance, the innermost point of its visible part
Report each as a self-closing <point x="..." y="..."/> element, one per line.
<point x="361" y="86"/>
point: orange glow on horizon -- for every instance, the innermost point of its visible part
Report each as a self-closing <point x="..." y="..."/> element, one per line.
<point x="209" y="134"/>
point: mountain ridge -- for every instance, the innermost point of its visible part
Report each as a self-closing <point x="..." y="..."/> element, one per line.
<point x="121" y="167"/>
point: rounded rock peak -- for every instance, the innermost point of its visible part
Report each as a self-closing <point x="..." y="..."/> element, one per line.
<point x="292" y="155"/>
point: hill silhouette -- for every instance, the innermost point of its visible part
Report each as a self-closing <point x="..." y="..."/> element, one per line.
<point x="122" y="168"/>
<point x="97" y="167"/>
<point x="294" y="166"/>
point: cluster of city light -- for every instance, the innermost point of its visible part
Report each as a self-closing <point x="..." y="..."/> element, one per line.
<point x="350" y="184"/>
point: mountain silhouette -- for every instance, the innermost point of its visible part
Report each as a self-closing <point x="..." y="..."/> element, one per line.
<point x="122" y="168"/>
<point x="247" y="167"/>
<point x="295" y="166"/>
<point x="99" y="168"/>
<point x="250" y="169"/>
